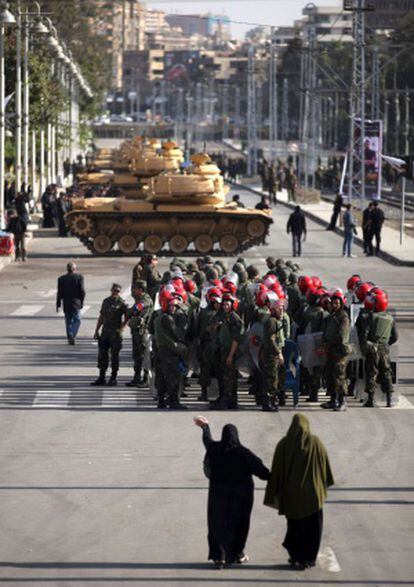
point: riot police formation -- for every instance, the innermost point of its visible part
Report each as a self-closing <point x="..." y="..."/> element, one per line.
<point x="217" y="323"/>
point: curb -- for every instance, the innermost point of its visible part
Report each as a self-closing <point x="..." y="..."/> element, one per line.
<point x="358" y="241"/>
<point x="5" y="261"/>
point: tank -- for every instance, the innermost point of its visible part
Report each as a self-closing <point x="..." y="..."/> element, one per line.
<point x="132" y="164"/>
<point x="182" y="214"/>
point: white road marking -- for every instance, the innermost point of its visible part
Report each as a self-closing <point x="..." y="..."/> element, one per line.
<point x="48" y="294"/>
<point x="328" y="561"/>
<point x="26" y="310"/>
<point x="51" y="398"/>
<point x="84" y="310"/>
<point x="116" y="397"/>
<point x="401" y="403"/>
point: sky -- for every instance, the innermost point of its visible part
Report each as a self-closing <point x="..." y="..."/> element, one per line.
<point x="266" y="12"/>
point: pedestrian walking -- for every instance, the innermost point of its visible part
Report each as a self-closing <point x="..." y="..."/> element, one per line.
<point x="349" y="231"/>
<point x="71" y="292"/>
<point x="336" y="211"/>
<point x="297" y="226"/>
<point x="229" y="467"/>
<point x="377" y="221"/>
<point x="17" y="226"/>
<point x="367" y="228"/>
<point x="299" y="478"/>
<point x="112" y="320"/>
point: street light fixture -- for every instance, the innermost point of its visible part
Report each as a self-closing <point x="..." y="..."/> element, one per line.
<point x="6" y="19"/>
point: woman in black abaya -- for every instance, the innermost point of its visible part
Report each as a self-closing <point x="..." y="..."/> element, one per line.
<point x="230" y="468"/>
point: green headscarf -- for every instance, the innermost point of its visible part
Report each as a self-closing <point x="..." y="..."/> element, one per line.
<point x="300" y="473"/>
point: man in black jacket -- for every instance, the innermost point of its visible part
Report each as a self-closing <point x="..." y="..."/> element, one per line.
<point x="377" y="220"/>
<point x="297" y="226"/>
<point x="71" y="291"/>
<point x="17" y="226"/>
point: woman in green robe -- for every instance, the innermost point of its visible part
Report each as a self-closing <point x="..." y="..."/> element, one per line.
<point x="299" y="479"/>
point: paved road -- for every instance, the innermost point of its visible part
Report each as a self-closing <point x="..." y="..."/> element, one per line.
<point x="97" y="487"/>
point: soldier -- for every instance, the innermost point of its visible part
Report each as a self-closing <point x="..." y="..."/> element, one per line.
<point x="336" y="335"/>
<point x="170" y="349"/>
<point x="151" y="275"/>
<point x="137" y="271"/>
<point x="271" y="355"/>
<point x="230" y="330"/>
<point x="294" y="296"/>
<point x="138" y="318"/>
<point x="112" y="319"/>
<point x="206" y="339"/>
<point x="376" y="336"/>
<point x="285" y="334"/>
<point x="313" y="321"/>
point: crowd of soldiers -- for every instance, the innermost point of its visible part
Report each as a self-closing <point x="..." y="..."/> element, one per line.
<point x="214" y="320"/>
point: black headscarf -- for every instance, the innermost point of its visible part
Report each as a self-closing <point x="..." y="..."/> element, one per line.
<point x="229" y="438"/>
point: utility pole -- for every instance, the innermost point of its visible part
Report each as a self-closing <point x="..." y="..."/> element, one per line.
<point x="179" y="115"/>
<point x="190" y="122"/>
<point x="285" y="109"/>
<point x="251" y="115"/>
<point x="237" y="122"/>
<point x="225" y="110"/>
<point x="308" y="131"/>
<point x="273" y="118"/>
<point x="375" y="85"/>
<point x="407" y="123"/>
<point x="18" y="98"/>
<point x="356" y="156"/>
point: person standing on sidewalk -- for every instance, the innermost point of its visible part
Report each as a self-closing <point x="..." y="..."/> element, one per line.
<point x="297" y="226"/>
<point x="349" y="231"/>
<point x="377" y="220"/>
<point x="17" y="225"/>
<point x="336" y="211"/>
<point x="290" y="183"/>
<point x="71" y="291"/>
<point x="367" y="228"/>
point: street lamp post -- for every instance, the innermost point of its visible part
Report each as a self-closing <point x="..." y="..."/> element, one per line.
<point x="18" y="99"/>
<point x="6" y="19"/>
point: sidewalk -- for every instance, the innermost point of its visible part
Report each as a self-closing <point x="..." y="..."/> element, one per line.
<point x="321" y="213"/>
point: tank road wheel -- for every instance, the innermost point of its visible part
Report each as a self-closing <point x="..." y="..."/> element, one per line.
<point x="229" y="243"/>
<point x="81" y="225"/>
<point x="102" y="244"/>
<point x="256" y="228"/>
<point x="204" y="243"/>
<point x="153" y="244"/>
<point x="178" y="243"/>
<point x="127" y="244"/>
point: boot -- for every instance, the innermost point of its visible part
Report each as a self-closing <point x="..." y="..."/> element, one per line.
<point x="370" y="402"/>
<point x="203" y="397"/>
<point x="112" y="381"/>
<point x="390" y="401"/>
<point x="134" y="381"/>
<point x="282" y="398"/>
<point x="268" y="405"/>
<point x="101" y="379"/>
<point x="144" y="381"/>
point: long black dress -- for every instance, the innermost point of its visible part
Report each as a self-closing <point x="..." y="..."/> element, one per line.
<point x="230" y="498"/>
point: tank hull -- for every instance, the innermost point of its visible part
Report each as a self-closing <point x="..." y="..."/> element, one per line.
<point x="167" y="229"/>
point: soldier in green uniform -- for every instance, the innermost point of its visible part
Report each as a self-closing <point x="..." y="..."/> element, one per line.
<point x="151" y="275"/>
<point x="229" y="334"/>
<point x="313" y="321"/>
<point x="336" y="335"/>
<point x="375" y="337"/>
<point x="271" y="355"/>
<point x="206" y="340"/>
<point x="171" y="347"/>
<point x="294" y="296"/>
<point x="138" y="318"/>
<point x="112" y="319"/>
<point x="284" y="335"/>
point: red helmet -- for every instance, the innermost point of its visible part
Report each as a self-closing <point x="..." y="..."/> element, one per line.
<point x="177" y="282"/>
<point x="273" y="301"/>
<point x="316" y="282"/>
<point x="325" y="300"/>
<point x="230" y="287"/>
<point x="353" y="281"/>
<point x="363" y="289"/>
<point x="269" y="280"/>
<point x="214" y="294"/>
<point x="261" y="298"/>
<point x="378" y="292"/>
<point x="228" y="297"/>
<point x="180" y="295"/>
<point x="381" y="303"/>
<point x="165" y="298"/>
<point x="338" y="295"/>
<point x="190" y="286"/>
<point x="216" y="283"/>
<point x="304" y="283"/>
<point x="312" y="291"/>
<point x="369" y="302"/>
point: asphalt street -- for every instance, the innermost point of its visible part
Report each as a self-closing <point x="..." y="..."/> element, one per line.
<point x="97" y="487"/>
